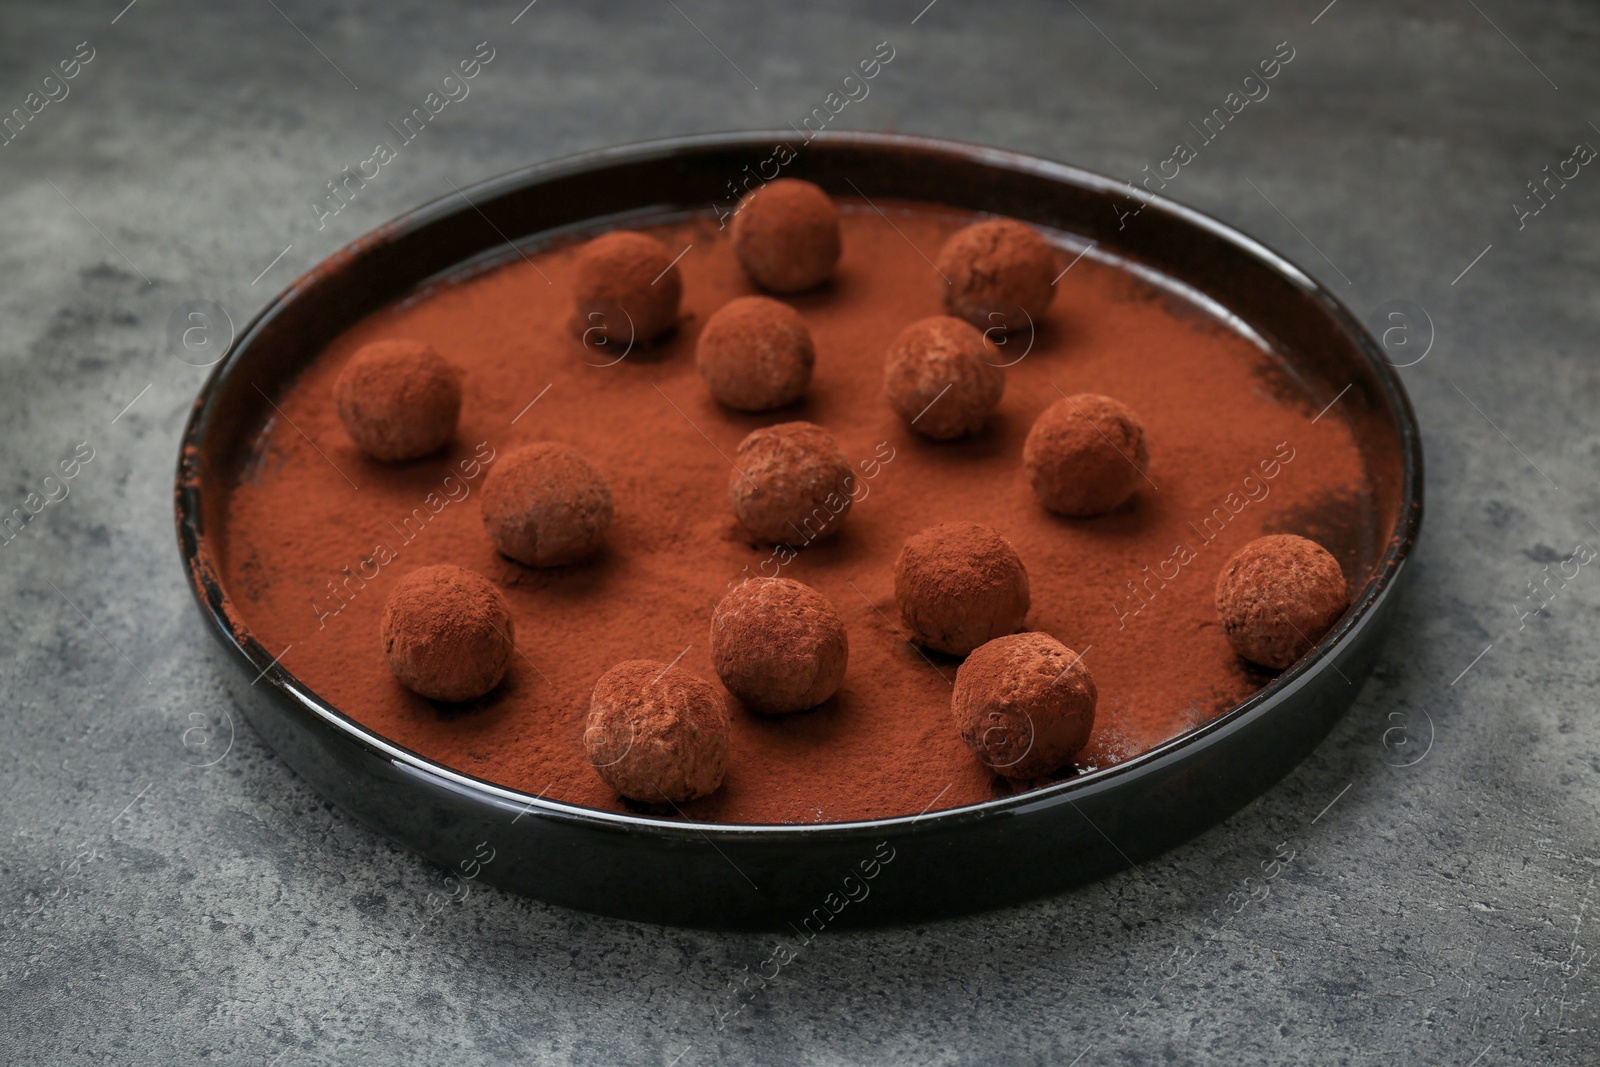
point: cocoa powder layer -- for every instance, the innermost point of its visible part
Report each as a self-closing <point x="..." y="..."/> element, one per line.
<point x="1220" y="414"/>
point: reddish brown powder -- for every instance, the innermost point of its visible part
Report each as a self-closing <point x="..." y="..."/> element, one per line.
<point x="1233" y="451"/>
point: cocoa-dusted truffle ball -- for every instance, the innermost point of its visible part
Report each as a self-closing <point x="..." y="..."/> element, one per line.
<point x="1001" y="273"/>
<point x="755" y="354"/>
<point x="786" y="235"/>
<point x="1277" y="596"/>
<point x="657" y="733"/>
<point x="1085" y="455"/>
<point x="939" y="379"/>
<point x="1024" y="704"/>
<point x="398" y="399"/>
<point x="778" y="645"/>
<point x="792" y="484"/>
<point x="958" y="585"/>
<point x="447" y="633"/>
<point x="545" y="506"/>
<point x="626" y="287"/>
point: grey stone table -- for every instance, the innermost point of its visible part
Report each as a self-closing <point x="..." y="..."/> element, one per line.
<point x="169" y="894"/>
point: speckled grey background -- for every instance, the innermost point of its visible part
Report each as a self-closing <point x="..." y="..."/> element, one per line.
<point x="154" y="910"/>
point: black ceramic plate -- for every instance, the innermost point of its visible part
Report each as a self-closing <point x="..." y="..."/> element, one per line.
<point x="890" y="870"/>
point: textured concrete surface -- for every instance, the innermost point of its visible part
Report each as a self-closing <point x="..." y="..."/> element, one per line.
<point x="171" y="894"/>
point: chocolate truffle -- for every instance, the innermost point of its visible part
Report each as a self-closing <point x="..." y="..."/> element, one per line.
<point x="398" y="399"/>
<point x="792" y="483"/>
<point x="1085" y="455"/>
<point x="1277" y="596"/>
<point x="626" y="287"/>
<point x="1024" y="704"/>
<point x="786" y="235"/>
<point x="447" y="633"/>
<point x="778" y="645"/>
<point x="959" y="585"/>
<point x="755" y="354"/>
<point x="939" y="379"/>
<point x="544" y="505"/>
<point x="656" y="732"/>
<point x="1001" y="274"/>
